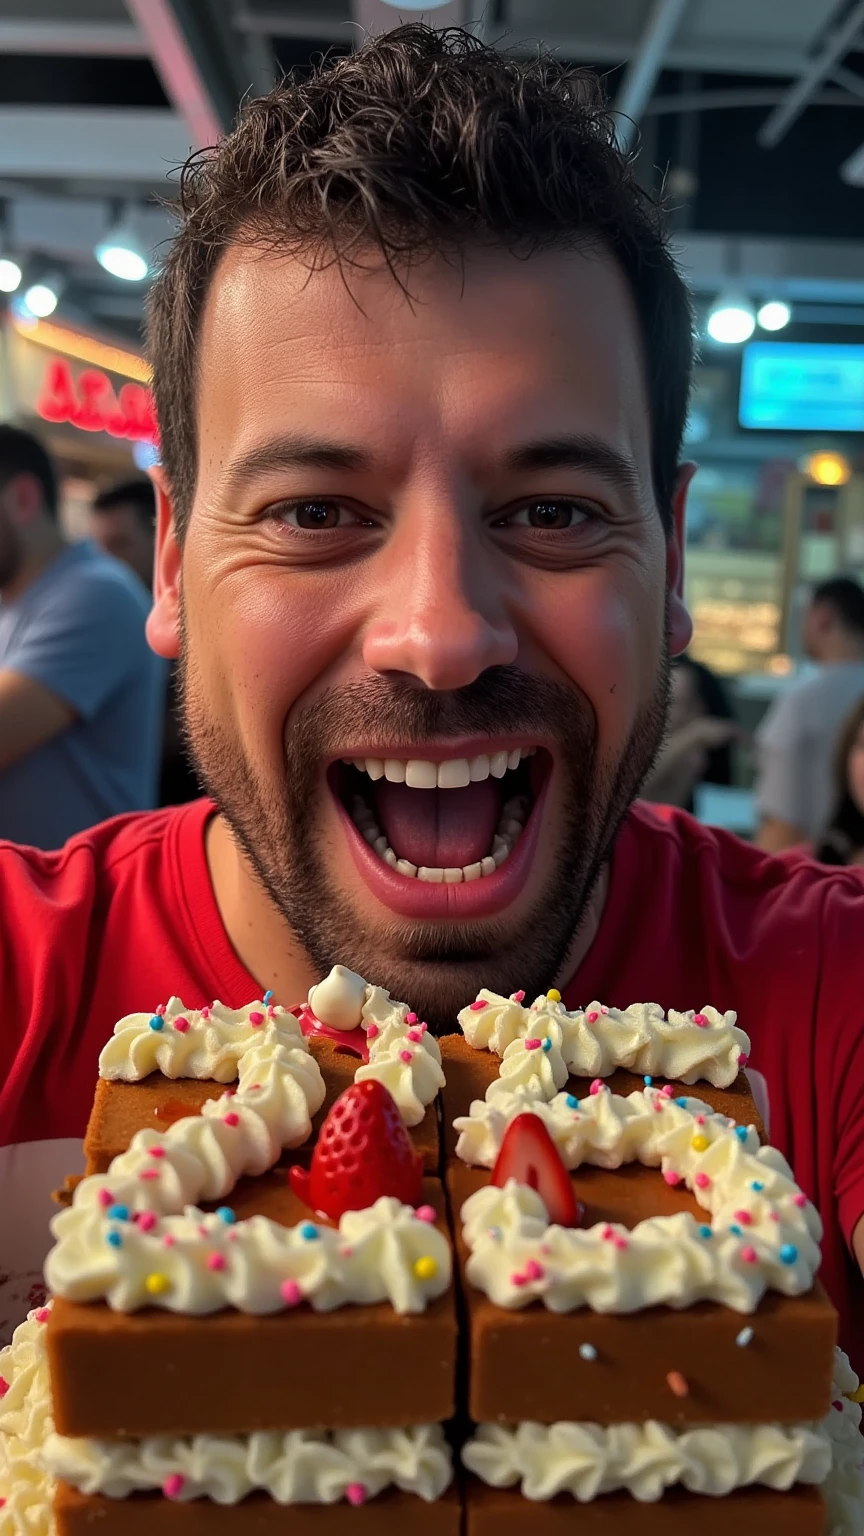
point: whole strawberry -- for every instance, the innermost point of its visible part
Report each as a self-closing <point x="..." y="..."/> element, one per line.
<point x="363" y="1152"/>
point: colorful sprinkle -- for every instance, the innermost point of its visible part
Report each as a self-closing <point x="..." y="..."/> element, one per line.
<point x="837" y="1406"/>
<point x="149" y="1173"/>
<point x="495" y="1233"/>
<point x="788" y="1253"/>
<point x="607" y="1234"/>
<point x="425" y="1213"/>
<point x="648" y="1081"/>
<point x="587" y="1352"/>
<point x="757" y="1186"/>
<point x="672" y="1178"/>
<point x="216" y="1261"/>
<point x="677" y="1384"/>
<point x="405" y="1056"/>
<point x="146" y="1220"/>
<point x="603" y="1009"/>
<point x="181" y="1026"/>
<point x="592" y="1017"/>
<point x="160" y="1009"/>
<point x="741" y="1132"/>
<point x="4" y="1386"/>
<point x="702" y="1181"/>
<point x="480" y="1003"/>
<point x="700" y="1119"/>
<point x="553" y="995"/>
<point x="533" y="1270"/>
<point x="705" y="1232"/>
<point x="168" y="1241"/>
<point x="173" y="1486"/>
<point x="356" y="1494"/>
<point x="308" y="1231"/>
<point x="532" y="1044"/>
<point x="735" y="1230"/>
<point x="700" y="1143"/>
<point x="117" y="1213"/>
<point x="598" y="1085"/>
<point x="157" y="1022"/>
<point x="744" y="1338"/>
<point x="290" y="1292"/>
<point x="682" y="1103"/>
<point x="157" y="1284"/>
<point x="256" y="1018"/>
<point x="226" y="1214"/>
<point x="105" y="1198"/>
<point x="518" y="1279"/>
<point x="621" y="1243"/>
<point x="799" y="1200"/>
<point x="743" y="1059"/>
<point x="42" y="1314"/>
<point x="749" y="1255"/>
<point x="425" y="1268"/>
<point x="571" y="1101"/>
<point x="415" y="1035"/>
<point x="205" y="1013"/>
<point x="268" y="997"/>
<point x="744" y="1217"/>
<point x="547" y="1045"/>
<point x="372" y="1031"/>
<point x="667" y="1091"/>
<point x="518" y="997"/>
<point x="700" y="1020"/>
<point x="231" y="1119"/>
<point x="156" y="1151"/>
<point x="114" y="1239"/>
<point x="410" y="1018"/>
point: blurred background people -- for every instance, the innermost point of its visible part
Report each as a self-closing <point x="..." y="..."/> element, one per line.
<point x="796" y="739"/>
<point x="81" y="693"/>
<point x="842" y="841"/>
<point x="698" y="746"/>
<point x="123" y="524"/>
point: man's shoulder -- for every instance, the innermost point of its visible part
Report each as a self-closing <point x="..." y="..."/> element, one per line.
<point x="95" y="857"/>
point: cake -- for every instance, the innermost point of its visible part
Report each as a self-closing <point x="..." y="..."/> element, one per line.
<point x="323" y="1272"/>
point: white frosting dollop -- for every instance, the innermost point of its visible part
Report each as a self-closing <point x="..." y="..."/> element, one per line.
<point x="844" y="1490"/>
<point x="301" y="1467"/>
<point x="338" y="999"/>
<point x="207" y="1043"/>
<point x="587" y="1460"/>
<point x="763" y="1233"/>
<point x="204" y="1263"/>
<point x="25" y="1424"/>
<point x="595" y="1041"/>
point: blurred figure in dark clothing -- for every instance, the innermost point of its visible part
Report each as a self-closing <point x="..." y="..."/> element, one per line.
<point x="123" y="524"/>
<point x="842" y="842"/>
<point x="701" y="730"/>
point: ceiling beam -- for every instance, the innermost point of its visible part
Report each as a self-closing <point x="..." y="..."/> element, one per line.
<point x="640" y="76"/>
<point x="126" y="144"/>
<point x="823" y="64"/>
<point x="90" y="39"/>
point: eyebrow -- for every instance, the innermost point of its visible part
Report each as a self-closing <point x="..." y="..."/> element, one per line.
<point x="280" y="453"/>
<point x="578" y="452"/>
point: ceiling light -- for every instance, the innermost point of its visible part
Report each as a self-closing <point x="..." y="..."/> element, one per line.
<point x="41" y="298"/>
<point x="773" y="315"/>
<point x="10" y="275"/>
<point x="827" y="468"/>
<point x="120" y="253"/>
<point x="731" y="319"/>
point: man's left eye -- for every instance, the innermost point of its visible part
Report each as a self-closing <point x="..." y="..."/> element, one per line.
<point x="548" y="514"/>
<point x="313" y="515"/>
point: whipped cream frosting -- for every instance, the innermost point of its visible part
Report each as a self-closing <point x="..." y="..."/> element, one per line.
<point x="26" y="1487"/>
<point x="763" y="1232"/>
<point x="403" y="1056"/>
<point x="202" y="1263"/>
<point x="844" y="1490"/>
<point x="207" y="1043"/>
<point x="595" y="1041"/>
<point x="302" y="1467"/>
<point x="587" y="1460"/>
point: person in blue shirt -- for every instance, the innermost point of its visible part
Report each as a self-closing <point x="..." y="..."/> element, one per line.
<point x="81" y="693"/>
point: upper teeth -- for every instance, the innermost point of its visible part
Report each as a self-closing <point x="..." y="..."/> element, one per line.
<point x="453" y="773"/>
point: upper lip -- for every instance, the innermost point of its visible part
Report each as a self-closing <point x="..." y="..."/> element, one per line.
<point x="440" y="752"/>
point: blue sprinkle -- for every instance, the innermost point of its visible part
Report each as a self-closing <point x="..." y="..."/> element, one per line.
<point x="547" y="1045"/>
<point x="735" y="1230"/>
<point x="758" y="1186"/>
<point x="156" y="1022"/>
<point x="682" y="1102"/>
<point x="744" y="1338"/>
<point x="741" y="1132"/>
<point x="226" y="1214"/>
<point x="648" y="1081"/>
<point x="788" y="1253"/>
<point x="705" y="1232"/>
<point x="117" y="1213"/>
<point x="115" y="1239"/>
<point x="267" y="996"/>
<point x="571" y="1101"/>
<point x="309" y="1231"/>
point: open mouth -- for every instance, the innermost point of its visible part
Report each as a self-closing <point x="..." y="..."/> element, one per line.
<point x="443" y="821"/>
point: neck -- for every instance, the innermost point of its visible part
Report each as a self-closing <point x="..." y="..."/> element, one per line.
<point x="44" y="549"/>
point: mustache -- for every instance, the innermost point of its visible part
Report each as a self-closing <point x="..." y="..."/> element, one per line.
<point x="502" y="700"/>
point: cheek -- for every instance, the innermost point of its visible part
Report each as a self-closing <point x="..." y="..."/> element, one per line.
<point x="856" y="777"/>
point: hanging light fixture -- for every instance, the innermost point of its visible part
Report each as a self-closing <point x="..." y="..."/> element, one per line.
<point x="10" y="275"/>
<point x="773" y="315"/>
<point x="731" y="319"/>
<point x="119" y="251"/>
<point x="41" y="299"/>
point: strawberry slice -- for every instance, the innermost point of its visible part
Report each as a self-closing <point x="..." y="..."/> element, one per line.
<point x="529" y="1155"/>
<point x="363" y="1152"/>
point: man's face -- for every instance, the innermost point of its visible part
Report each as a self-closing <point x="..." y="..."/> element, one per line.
<point x="424" y="550"/>
<point x="123" y="533"/>
<point x="11" y="549"/>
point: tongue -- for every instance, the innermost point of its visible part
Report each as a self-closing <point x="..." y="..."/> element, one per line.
<point x="441" y="828"/>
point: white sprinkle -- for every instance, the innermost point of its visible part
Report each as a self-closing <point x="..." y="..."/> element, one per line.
<point x="587" y="1351"/>
<point x="744" y="1338"/>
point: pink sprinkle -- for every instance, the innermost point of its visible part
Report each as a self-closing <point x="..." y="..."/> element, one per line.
<point x="216" y="1261"/>
<point x="749" y="1255"/>
<point x="545" y="1250"/>
<point x="161" y="1010"/>
<point x="621" y="1242"/>
<point x="775" y="1215"/>
<point x="425" y="1213"/>
<point x="256" y="1018"/>
<point x="371" y="1031"/>
<point x="229" y="1093"/>
<point x="231" y="1119"/>
<point x="43" y="1314"/>
<point x="290" y="1292"/>
<point x="173" y="1486"/>
<point x="668" y="1091"/>
<point x="346" y="1253"/>
<point x="744" y="1217"/>
<point x="256" y="1088"/>
<point x="518" y="1279"/>
<point x="519" y="997"/>
<point x="533" y="1270"/>
<point x="168" y="1241"/>
<point x="658" y="1107"/>
<point x="105" y="1198"/>
<point x="205" y="1013"/>
<point x="598" y="1085"/>
<point x="837" y="1405"/>
<point x="156" y="1151"/>
<point x="532" y="1044"/>
<point x="202" y="1231"/>
<point x="149" y="1173"/>
<point x="181" y="1026"/>
<point x="799" y="1200"/>
<point x="603" y="1009"/>
<point x="701" y="1181"/>
<point x="607" y="1234"/>
<point x="355" y="1493"/>
<point x="592" y="1017"/>
<point x="405" y="1056"/>
<point x="410" y="1018"/>
<point x="700" y="1119"/>
<point x="414" y="1034"/>
<point x="480" y="1003"/>
<point x="146" y="1220"/>
<point x="4" y="1386"/>
<point x="672" y="1178"/>
<point x="423" y="1028"/>
<point x="700" y="1019"/>
<point x="271" y="1012"/>
<point x="743" y="1059"/>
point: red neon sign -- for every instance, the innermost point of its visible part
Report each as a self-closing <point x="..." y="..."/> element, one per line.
<point x="89" y="402"/>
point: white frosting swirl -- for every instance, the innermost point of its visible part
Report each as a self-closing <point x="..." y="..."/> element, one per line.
<point x="763" y="1234"/>
<point x="208" y="1044"/>
<point x="338" y="999"/>
<point x="587" y="1460"/>
<point x="25" y="1423"/>
<point x="595" y="1041"/>
<point x="844" y="1489"/>
<point x="301" y="1467"/>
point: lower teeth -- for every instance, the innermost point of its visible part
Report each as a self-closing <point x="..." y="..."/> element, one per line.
<point x="510" y="829"/>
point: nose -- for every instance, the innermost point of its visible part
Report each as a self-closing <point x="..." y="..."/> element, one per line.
<point x="442" y="616"/>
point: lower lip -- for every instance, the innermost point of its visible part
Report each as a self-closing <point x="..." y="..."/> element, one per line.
<point x="422" y="899"/>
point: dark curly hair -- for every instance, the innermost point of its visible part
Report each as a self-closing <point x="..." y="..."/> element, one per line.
<point x="422" y="141"/>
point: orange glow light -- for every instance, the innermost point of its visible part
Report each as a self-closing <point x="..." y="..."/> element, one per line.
<point x="85" y="349"/>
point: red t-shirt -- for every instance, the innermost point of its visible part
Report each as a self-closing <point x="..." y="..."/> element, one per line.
<point x="125" y="914"/>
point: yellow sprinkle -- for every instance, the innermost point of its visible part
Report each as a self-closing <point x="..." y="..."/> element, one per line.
<point x="553" y="995"/>
<point x="699" y="1143"/>
<point x="157" y="1285"/>
<point x="425" y="1268"/>
<point x="858" y="1396"/>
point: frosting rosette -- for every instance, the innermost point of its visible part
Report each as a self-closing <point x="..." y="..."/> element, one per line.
<point x="26" y="1487"/>
<point x="205" y="1043"/>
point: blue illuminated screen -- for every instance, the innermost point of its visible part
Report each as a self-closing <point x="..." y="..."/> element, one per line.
<point x="802" y="387"/>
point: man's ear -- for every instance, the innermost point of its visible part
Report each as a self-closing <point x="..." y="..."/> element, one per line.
<point x="163" y="621"/>
<point x="680" y="622"/>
